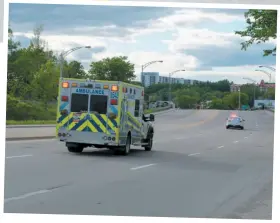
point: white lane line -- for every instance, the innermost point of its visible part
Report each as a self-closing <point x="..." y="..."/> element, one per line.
<point x="246" y="137"/>
<point x="235" y="141"/>
<point x="26" y="195"/>
<point x="193" y="154"/>
<point x="141" y="167"/>
<point x="30" y="141"/>
<point x="11" y="157"/>
<point x="220" y="147"/>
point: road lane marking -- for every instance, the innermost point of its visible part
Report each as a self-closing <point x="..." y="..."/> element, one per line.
<point x="30" y="141"/>
<point x="193" y="154"/>
<point x="220" y="147"/>
<point x="11" y="157"/>
<point x="141" y="167"/>
<point x="235" y="141"/>
<point x="26" y="195"/>
<point x="246" y="137"/>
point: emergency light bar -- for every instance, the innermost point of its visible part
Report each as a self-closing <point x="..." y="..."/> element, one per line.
<point x="114" y="88"/>
<point x="65" y="84"/>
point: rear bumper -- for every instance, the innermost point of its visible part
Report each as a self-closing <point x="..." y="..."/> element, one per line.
<point x="234" y="126"/>
<point x="89" y="138"/>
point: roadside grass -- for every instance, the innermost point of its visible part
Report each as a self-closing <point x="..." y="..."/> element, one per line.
<point x="53" y="122"/>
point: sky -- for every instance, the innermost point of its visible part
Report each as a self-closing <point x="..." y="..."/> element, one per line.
<point x="200" y="41"/>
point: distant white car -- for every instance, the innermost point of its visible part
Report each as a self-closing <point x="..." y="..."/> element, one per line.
<point x="235" y="122"/>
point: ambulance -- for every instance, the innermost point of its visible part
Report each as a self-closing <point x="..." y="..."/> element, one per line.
<point x="102" y="114"/>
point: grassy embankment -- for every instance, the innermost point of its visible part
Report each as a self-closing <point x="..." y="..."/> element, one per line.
<point x="27" y="113"/>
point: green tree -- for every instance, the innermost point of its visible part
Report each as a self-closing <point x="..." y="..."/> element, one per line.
<point x="232" y="100"/>
<point x="270" y="94"/>
<point x="262" y="26"/>
<point x="218" y="103"/>
<point x="74" y="69"/>
<point x="114" y="69"/>
<point x="45" y="83"/>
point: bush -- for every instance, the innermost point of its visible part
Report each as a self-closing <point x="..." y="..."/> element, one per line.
<point x="18" y="110"/>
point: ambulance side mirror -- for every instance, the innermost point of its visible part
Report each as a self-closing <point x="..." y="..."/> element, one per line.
<point x="152" y="117"/>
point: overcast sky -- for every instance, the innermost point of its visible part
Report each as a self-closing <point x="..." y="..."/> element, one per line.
<point x="201" y="41"/>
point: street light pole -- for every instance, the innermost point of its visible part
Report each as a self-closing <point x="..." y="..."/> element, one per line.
<point x="170" y="74"/>
<point x="239" y="97"/>
<point x="148" y="64"/>
<point x="254" y="88"/>
<point x="271" y="68"/>
<point x="268" y="74"/>
<point x="64" y="54"/>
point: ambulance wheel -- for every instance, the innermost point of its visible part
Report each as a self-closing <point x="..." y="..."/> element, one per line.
<point x="77" y="149"/>
<point x="150" y="142"/>
<point x="242" y="128"/>
<point x="126" y="149"/>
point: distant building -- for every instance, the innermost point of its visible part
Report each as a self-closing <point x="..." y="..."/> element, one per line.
<point x="150" y="78"/>
<point x="265" y="86"/>
<point x="234" y="87"/>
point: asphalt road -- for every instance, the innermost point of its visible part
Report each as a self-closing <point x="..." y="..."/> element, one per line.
<point x="197" y="168"/>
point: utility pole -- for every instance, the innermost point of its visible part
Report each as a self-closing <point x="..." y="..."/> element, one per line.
<point x="239" y="97"/>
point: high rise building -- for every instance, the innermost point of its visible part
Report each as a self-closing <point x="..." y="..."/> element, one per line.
<point x="149" y="78"/>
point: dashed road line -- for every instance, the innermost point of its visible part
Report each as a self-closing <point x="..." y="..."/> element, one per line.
<point x="141" y="167"/>
<point x="26" y="195"/>
<point x="193" y="154"/>
<point x="220" y="147"/>
<point x="22" y="156"/>
<point x="235" y="141"/>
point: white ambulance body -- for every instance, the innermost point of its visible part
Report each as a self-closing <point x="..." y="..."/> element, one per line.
<point x="103" y="114"/>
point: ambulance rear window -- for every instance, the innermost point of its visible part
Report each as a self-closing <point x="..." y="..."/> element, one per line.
<point x="79" y="103"/>
<point x="98" y="103"/>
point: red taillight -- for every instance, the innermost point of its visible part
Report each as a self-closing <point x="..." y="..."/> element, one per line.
<point x="114" y="101"/>
<point x="142" y="93"/>
<point x="64" y="98"/>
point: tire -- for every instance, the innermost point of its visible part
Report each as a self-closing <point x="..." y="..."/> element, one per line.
<point x="77" y="149"/>
<point x="126" y="149"/>
<point x="150" y="141"/>
<point x="227" y="127"/>
<point x="242" y="128"/>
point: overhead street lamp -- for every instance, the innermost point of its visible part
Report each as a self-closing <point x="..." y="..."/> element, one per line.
<point x="271" y="68"/>
<point x="148" y="64"/>
<point x="267" y="73"/>
<point x="170" y="74"/>
<point x="249" y="79"/>
<point x="66" y="53"/>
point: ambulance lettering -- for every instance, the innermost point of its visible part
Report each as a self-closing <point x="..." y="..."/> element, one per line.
<point x="90" y="91"/>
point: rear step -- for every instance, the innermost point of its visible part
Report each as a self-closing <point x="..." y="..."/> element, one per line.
<point x="140" y="144"/>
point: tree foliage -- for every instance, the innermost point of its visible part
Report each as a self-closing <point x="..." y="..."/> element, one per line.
<point x="262" y="27"/>
<point x="115" y="69"/>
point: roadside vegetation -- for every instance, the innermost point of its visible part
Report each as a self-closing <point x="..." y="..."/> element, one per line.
<point x="33" y="72"/>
